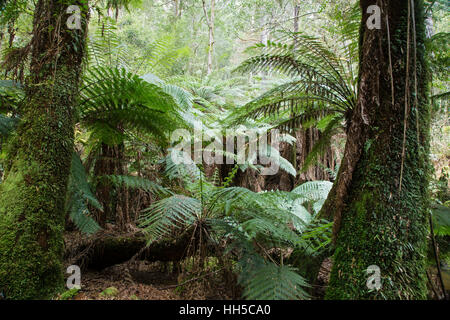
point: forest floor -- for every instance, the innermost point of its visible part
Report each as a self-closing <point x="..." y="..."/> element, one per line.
<point x="145" y="281"/>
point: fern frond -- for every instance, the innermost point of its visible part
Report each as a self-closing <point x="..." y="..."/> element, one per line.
<point x="104" y="47"/>
<point x="118" y="98"/>
<point x="79" y="195"/>
<point x="314" y="190"/>
<point x="133" y="182"/>
<point x="175" y="212"/>
<point x="272" y="282"/>
<point x="7" y="125"/>
<point x="321" y="84"/>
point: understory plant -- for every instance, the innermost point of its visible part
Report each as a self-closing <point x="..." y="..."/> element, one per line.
<point x="256" y="231"/>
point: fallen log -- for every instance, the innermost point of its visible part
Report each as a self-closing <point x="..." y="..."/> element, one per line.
<point x="107" y="250"/>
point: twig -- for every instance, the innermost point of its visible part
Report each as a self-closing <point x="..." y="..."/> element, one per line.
<point x="390" y="59"/>
<point x="416" y="101"/>
<point x="405" y="121"/>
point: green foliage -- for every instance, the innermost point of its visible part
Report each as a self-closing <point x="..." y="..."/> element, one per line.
<point x="105" y="49"/>
<point x="114" y="100"/>
<point x="11" y="10"/>
<point x="69" y="294"/>
<point x="11" y="95"/>
<point x="314" y="190"/>
<point x="269" y="219"/>
<point x="441" y="220"/>
<point x="438" y="47"/>
<point x="176" y="211"/>
<point x="7" y="125"/>
<point x="269" y="281"/>
<point x="320" y="90"/>
<point x="79" y="195"/>
<point x="110" y="292"/>
<point x="439" y="59"/>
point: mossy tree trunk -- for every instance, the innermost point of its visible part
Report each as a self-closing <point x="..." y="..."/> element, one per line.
<point x="37" y="169"/>
<point x="380" y="199"/>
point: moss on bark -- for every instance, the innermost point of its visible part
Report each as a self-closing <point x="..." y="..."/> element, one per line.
<point x="37" y="168"/>
<point x="382" y="223"/>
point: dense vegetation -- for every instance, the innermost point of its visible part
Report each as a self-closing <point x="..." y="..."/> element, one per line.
<point x="97" y="103"/>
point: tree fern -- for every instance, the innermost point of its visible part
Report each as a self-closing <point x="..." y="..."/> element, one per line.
<point x="113" y="97"/>
<point x="320" y="85"/>
<point x="246" y="218"/>
<point x="105" y="48"/>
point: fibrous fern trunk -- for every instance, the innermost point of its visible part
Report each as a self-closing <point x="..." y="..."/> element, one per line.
<point x="37" y="169"/>
<point x="380" y="198"/>
<point x="114" y="199"/>
<point x="306" y="140"/>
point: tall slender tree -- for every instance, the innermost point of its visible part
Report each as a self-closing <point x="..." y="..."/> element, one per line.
<point x="33" y="191"/>
<point x="380" y="201"/>
<point x="210" y="20"/>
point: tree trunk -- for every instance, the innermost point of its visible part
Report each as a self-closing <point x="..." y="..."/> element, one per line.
<point x="296" y="18"/>
<point x="381" y="192"/>
<point x="38" y="165"/>
<point x="105" y="249"/>
<point x="306" y="139"/>
<point x="177" y="8"/>
<point x="114" y="199"/>
<point x="210" y="19"/>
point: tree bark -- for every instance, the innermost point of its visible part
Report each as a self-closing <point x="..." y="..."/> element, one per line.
<point x="109" y="249"/>
<point x="296" y="19"/>
<point x="210" y="20"/>
<point x="380" y="199"/>
<point x="37" y="168"/>
<point x="177" y="8"/>
<point x="114" y="199"/>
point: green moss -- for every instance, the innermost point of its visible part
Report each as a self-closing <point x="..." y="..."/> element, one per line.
<point x="69" y="294"/>
<point x="110" y="292"/>
<point x="382" y="225"/>
<point x="31" y="225"/>
<point x="37" y="166"/>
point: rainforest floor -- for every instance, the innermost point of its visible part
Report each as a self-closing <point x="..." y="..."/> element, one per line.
<point x="143" y="280"/>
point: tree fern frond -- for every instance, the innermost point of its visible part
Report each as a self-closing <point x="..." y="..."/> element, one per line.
<point x="133" y="182"/>
<point x="121" y="99"/>
<point x="314" y="190"/>
<point x="322" y="84"/>
<point x="7" y="125"/>
<point x="104" y="47"/>
<point x="79" y="195"/>
<point x="186" y="170"/>
<point x="272" y="282"/>
<point x="175" y="212"/>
